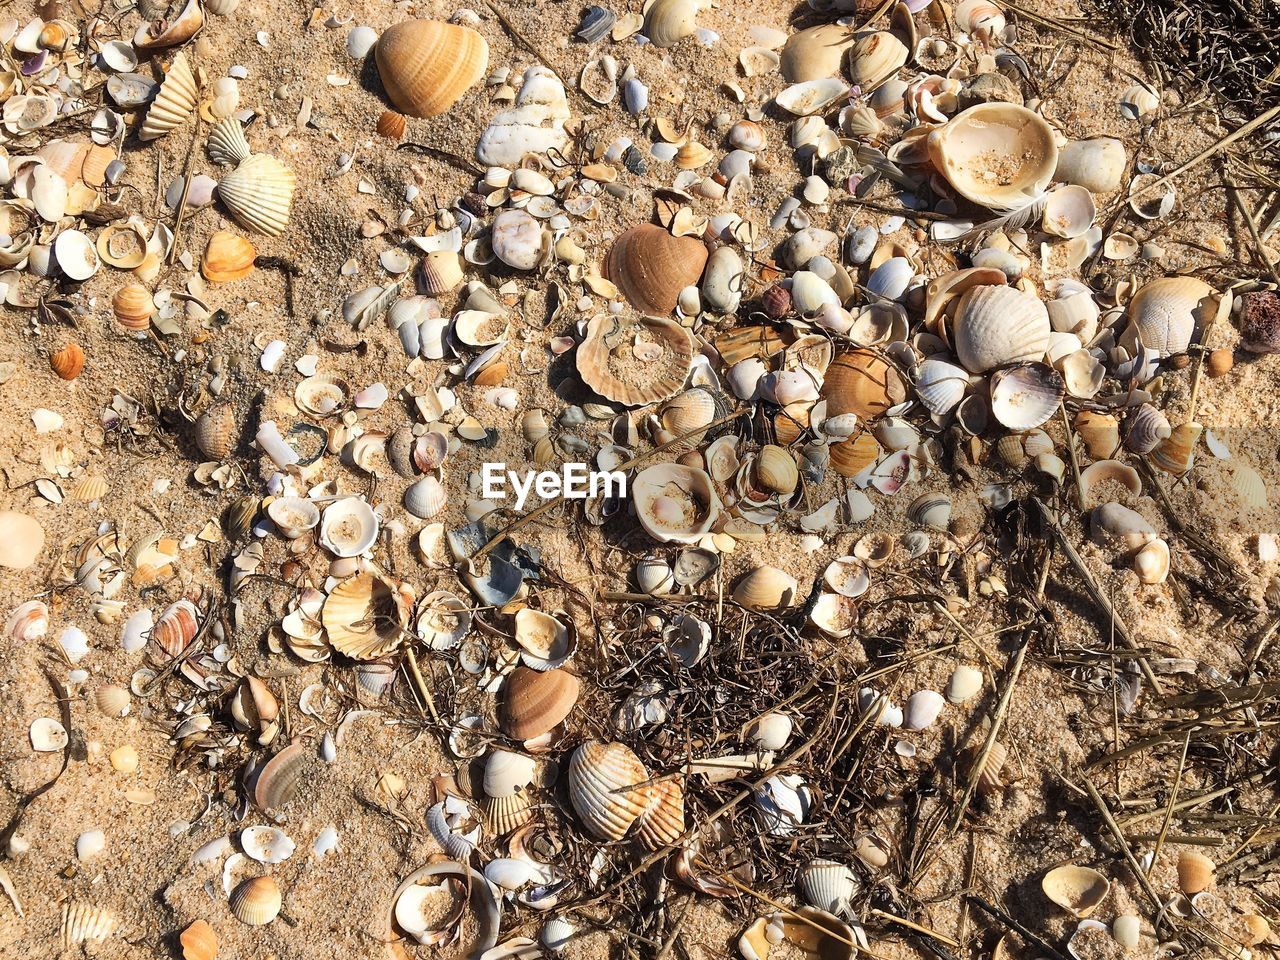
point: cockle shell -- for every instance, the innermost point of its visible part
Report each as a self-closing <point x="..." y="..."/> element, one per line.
<point x="875" y="58"/>
<point x="651" y="267"/>
<point x="635" y="361"/>
<point x="1026" y="395"/>
<point x="68" y="361"/>
<point x="227" y="143"/>
<point x="815" y="53"/>
<point x="766" y="588"/>
<point x="998" y="155"/>
<point x="257" y="902"/>
<point x="1145" y="428"/>
<point x="940" y="384"/>
<point x="425" y="498"/>
<point x="862" y="382"/>
<point x="1166" y="313"/>
<point x="1078" y="890"/>
<point x="198" y="940"/>
<point x="426" y="66"/>
<point x="996" y="325"/>
<point x="85" y="923"/>
<point x="365" y="617"/>
<point x="675" y="503"/>
<point x="259" y="193"/>
<point x="175" y="101"/>
<point x="536" y="702"/>
<point x="227" y="257"/>
<point x="828" y="885"/>
<point x="215" y="431"/>
<point x="601" y="788"/>
<point x="667" y="22"/>
<point x="507" y="773"/>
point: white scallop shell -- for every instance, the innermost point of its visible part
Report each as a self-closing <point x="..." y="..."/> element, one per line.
<point x="940" y="384"/>
<point x="425" y="498"/>
<point x="828" y="885"/>
<point x="227" y="143"/>
<point x="259" y="193"/>
<point x="1165" y="313"/>
<point x="1026" y="395"/>
<point x="175" y="101"/>
<point x="998" y="325"/>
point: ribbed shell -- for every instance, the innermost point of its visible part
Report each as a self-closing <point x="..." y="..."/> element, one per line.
<point x="1026" y="395"/>
<point x="227" y="143"/>
<point x="651" y="267"/>
<point x="667" y="22"/>
<point x="133" y="306"/>
<point x="176" y="627"/>
<point x="175" y="101"/>
<point x="828" y="885"/>
<point x="504" y="814"/>
<point x="602" y="369"/>
<point x="999" y="325"/>
<point x="426" y="65"/>
<point x="599" y="774"/>
<point x="537" y="701"/>
<point x="864" y="383"/>
<point x="766" y="588"/>
<point x="85" y="923"/>
<point x="1165" y="312"/>
<point x="256" y="902"/>
<point x="215" y="432"/>
<point x="364" y="617"/>
<point x="663" y="821"/>
<point x="259" y="193"/>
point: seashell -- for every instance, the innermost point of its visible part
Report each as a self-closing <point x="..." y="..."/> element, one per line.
<point x="557" y="933"/>
<point x="67" y="362"/>
<point x="133" y="306"/>
<point x="980" y="18"/>
<point x="874" y="549"/>
<point x="770" y="732"/>
<point x="815" y="53"/>
<point x="997" y="325"/>
<point x="964" y="684"/>
<point x="675" y="503"/>
<point x="171" y="32"/>
<point x="534" y="125"/>
<point x="599" y="80"/>
<point x="667" y="22"/>
<point x="365" y="616"/>
<point x="266" y="844"/>
<point x="425" y="498"/>
<point x="29" y="621"/>
<point x="1100" y="433"/>
<point x="828" y="885"/>
<point x="259" y="193"/>
<point x="227" y="144"/>
<point x="536" y="702"/>
<point x="834" y="615"/>
<point x="654" y="576"/>
<point x="930" y="510"/>
<point x="1249" y="486"/>
<point x="1026" y="395"/>
<point x="214" y="432"/>
<point x="1069" y="211"/>
<point x="277" y="782"/>
<point x="601" y="789"/>
<point x="851" y="457"/>
<point x="875" y="58"/>
<point x="426" y="66"/>
<point x="85" y="923"/>
<point x="766" y="588"/>
<point x="1149" y="202"/>
<point x="90" y="489"/>
<point x="177" y="98"/>
<point x="443" y="620"/>
<point x="391" y="125"/>
<point x="431" y="912"/>
<point x="47" y="735"/>
<point x="775" y="470"/>
<point x="810" y="293"/>
<point x="1082" y="373"/>
<point x="198" y="940"/>
<point x="257" y="902"/>
<point x="723" y="280"/>
<point x="1257" y="929"/>
<point x="1166" y="313"/>
<point x="998" y="155"/>
<point x="1126" y="929"/>
<point x="1195" y="872"/>
<point x="1097" y="164"/>
<point x="227" y="257"/>
<point x="322" y="395"/>
<point x="812" y="96"/>
<point x="1176" y="453"/>
<point x="864" y="383"/>
<point x="1075" y="313"/>
<point x="922" y="709"/>
<point x="1078" y="890"/>
<point x="506" y="814"/>
<point x="940" y="384"/>
<point x="441" y="272"/>
<point x="76" y="255"/>
<point x="176" y="627"/>
<point x="507" y="773"/>
<point x="595" y="24"/>
<point x="518" y="239"/>
<point x="1145" y="429"/>
<point x="1113" y="523"/>
<point x="293" y="516"/>
<point x="651" y="267"/>
<point x="1151" y="563"/>
<point x="348" y="527"/>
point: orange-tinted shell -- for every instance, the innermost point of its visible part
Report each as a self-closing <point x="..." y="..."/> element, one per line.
<point x="133" y="306"/>
<point x="426" y="65"/>
<point x="177" y="627"/>
<point x="651" y="267"/>
<point x="68" y="362"/>
<point x="537" y="702"/>
<point x="864" y="383"/>
<point x="227" y="257"/>
<point x="391" y="125"/>
<point x="199" y="942"/>
<point x="850" y="457"/>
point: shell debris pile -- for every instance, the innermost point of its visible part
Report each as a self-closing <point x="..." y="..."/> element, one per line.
<point x="929" y="550"/>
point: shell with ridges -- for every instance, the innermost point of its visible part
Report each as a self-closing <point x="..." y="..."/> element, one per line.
<point x="227" y="257"/>
<point x="227" y="143"/>
<point x="175" y="101"/>
<point x="426" y="65"/>
<point x="659" y="348"/>
<point x="133" y="306"/>
<point x="651" y="267"/>
<point x="365" y="617"/>
<point x="259" y="193"/>
<point x="864" y="383"/>
<point x="1026" y="395"/>
<point x="667" y="22"/>
<point x="1165" y="313"/>
<point x="85" y="923"/>
<point x="875" y="58"/>
<point x="257" y="902"/>
<point x="766" y="588"/>
<point x="537" y="701"/>
<point x="995" y="326"/>
<point x="1145" y="428"/>
<point x="68" y="361"/>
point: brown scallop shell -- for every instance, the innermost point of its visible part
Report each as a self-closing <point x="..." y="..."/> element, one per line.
<point x="651" y="267"/>
<point x="67" y="362"/>
<point x="862" y="382"/>
<point x="426" y="65"/>
<point x="612" y="363"/>
<point x="537" y="702"/>
<point x="391" y="125"/>
<point x="365" y="617"/>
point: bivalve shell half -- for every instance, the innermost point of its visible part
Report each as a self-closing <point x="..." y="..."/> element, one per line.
<point x="259" y="194"/>
<point x="875" y="58"/>
<point x="199" y="942"/>
<point x="293" y="516"/>
<point x="1069" y="211"/>
<point x="667" y="22"/>
<point x="257" y="902"/>
<point x="997" y="325"/>
<point x="634" y="362"/>
<point x="175" y="102"/>
<point x="227" y="144"/>
<point x="426" y="498"/>
<point x="536" y="702"/>
<point x="85" y="923"/>
<point x="675" y="503"/>
<point x="602" y="779"/>
<point x="133" y="306"/>
<point x="998" y="155"/>
<point x="766" y="588"/>
<point x="811" y="96"/>
<point x="828" y="885"/>
<point x="940" y="384"/>
<point x="815" y="53"/>
<point x="1166" y="313"/>
<point x="348" y="527"/>
<point x="365" y="617"/>
<point x="864" y="383"/>
<point x="176" y="627"/>
<point x="215" y="431"/>
<point x="1026" y="395"/>
<point x="227" y="257"/>
<point x="651" y="267"/>
<point x="68" y="361"/>
<point x="1145" y="428"/>
<point x="1195" y="872"/>
<point x="426" y="66"/>
<point x="1078" y="890"/>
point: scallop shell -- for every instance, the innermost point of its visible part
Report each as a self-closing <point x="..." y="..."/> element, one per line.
<point x="426" y="66"/>
<point x="766" y="588"/>
<point x="651" y="267"/>
<point x="85" y="923"/>
<point x="176" y="627"/>
<point x="998" y="155"/>
<point x="667" y="22"/>
<point x="68" y="361"/>
<point x="1026" y="395"/>
<point x="675" y="503"/>
<point x="536" y="702"/>
<point x="133" y="306"/>
<point x="227" y="257"/>
<point x="505" y="814"/>
<point x="174" y="103"/>
<point x="1166" y="313"/>
<point x="1078" y="890"/>
<point x="864" y="383"/>
<point x="995" y="326"/>
<point x="365" y="617"/>
<point x="227" y="143"/>
<point x="257" y="902"/>
<point x="634" y="362"/>
<point x="259" y="193"/>
<point x="198" y="941"/>
<point x="875" y="58"/>
<point x="815" y="53"/>
<point x="425" y="498"/>
<point x="1145" y="428"/>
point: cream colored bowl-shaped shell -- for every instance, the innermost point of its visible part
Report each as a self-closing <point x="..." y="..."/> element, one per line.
<point x="995" y="326"/>
<point x="1165" y="313"/>
<point x="426" y="65"/>
<point x="667" y="22"/>
<point x="997" y="155"/>
<point x="815" y="53"/>
<point x="675" y="503"/>
<point x="175" y="101"/>
<point x="259" y="193"/>
<point x="635" y="361"/>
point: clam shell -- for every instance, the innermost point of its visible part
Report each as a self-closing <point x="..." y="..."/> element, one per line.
<point x="995" y="326"/>
<point x="806" y="932"/>
<point x="536" y="702"/>
<point x="1145" y="428"/>
<point x="864" y="383"/>
<point x="170" y="32"/>
<point x="227" y="257"/>
<point x="322" y="395"/>
<point x="922" y="709"/>
<point x="293" y="516"/>
<point x="85" y="923"/>
<point x="1069" y="211"/>
<point x="964" y="684"/>
<point x="259" y="193"/>
<point x="766" y="588"/>
<point x="507" y="773"/>
<point x="426" y="66"/>
<point x="940" y="384"/>
<point x="828" y="885"/>
<point x="815" y="53"/>
<point x="1176" y="453"/>
<point x="1100" y="433"/>
<point x="176" y="627"/>
<point x="654" y="576"/>
<point x="834" y="615"/>
<point x="133" y="306"/>
<point x="811" y="96"/>
<point x="1026" y="395"/>
<point x="68" y="361"/>
<point x="257" y="902"/>
<point x="998" y="155"/>
<point x="227" y="143"/>
<point x="29" y="621"/>
<point x="76" y="255"/>
<point x="875" y="58"/>
<point x="931" y="510"/>
<point x="1078" y="890"/>
<point x="365" y="617"/>
<point x="634" y="362"/>
<point x="675" y="503"/>
<point x="667" y="22"/>
<point x="851" y="457"/>
<point x="651" y="267"/>
<point x="348" y="527"/>
<point x="1151" y="563"/>
<point x="425" y="498"/>
<point x="602" y="778"/>
<point x="1097" y="165"/>
<point x="1166" y="313"/>
<point x="174" y="103"/>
